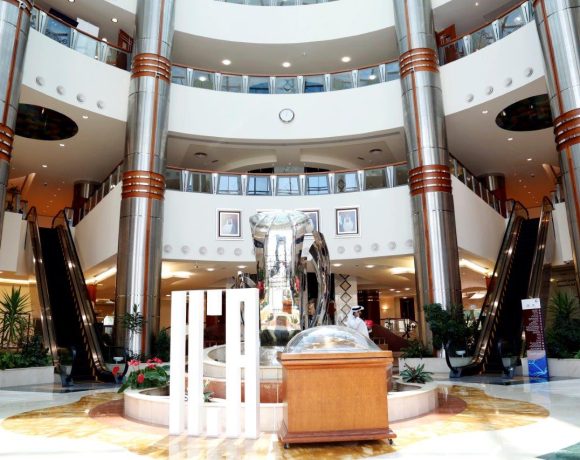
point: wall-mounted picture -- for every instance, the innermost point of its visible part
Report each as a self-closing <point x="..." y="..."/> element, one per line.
<point x="347" y="221"/>
<point x="314" y="215"/>
<point x="229" y="224"/>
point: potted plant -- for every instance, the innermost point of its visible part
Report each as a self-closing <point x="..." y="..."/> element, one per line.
<point x="153" y="375"/>
<point x="15" y="321"/>
<point x="133" y="322"/>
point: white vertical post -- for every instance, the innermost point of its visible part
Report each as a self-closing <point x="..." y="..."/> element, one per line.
<point x="233" y="370"/>
<point x="252" y="363"/>
<point x="195" y="407"/>
<point x="177" y="362"/>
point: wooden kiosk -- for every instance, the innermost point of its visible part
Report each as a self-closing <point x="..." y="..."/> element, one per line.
<point x="334" y="387"/>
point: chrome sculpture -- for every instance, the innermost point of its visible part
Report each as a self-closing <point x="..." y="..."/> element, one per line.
<point x="278" y="240"/>
<point x="321" y="261"/>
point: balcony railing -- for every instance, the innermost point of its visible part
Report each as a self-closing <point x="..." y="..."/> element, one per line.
<point x="333" y="182"/>
<point x="276" y="2"/>
<point x="490" y="33"/>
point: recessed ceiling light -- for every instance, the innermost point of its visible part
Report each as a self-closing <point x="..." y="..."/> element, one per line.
<point x="286" y="64"/>
<point x="392" y="289"/>
<point x="85" y="117"/>
<point x="210" y="269"/>
<point x="376" y="151"/>
<point x="200" y="154"/>
<point x="476" y="3"/>
<point x="226" y="62"/>
<point x="510" y="139"/>
<point x="45" y="166"/>
<point x="115" y="20"/>
<point x="398" y="292"/>
<point x="242" y="266"/>
<point x="407" y="289"/>
<point x="485" y="112"/>
<point x="62" y="145"/>
<point x="529" y="159"/>
<point x="345" y="59"/>
<point x="337" y="265"/>
<point x="369" y="266"/>
<point x="71" y="1"/>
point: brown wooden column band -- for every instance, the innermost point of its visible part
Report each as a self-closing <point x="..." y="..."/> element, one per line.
<point x="430" y="178"/>
<point x="143" y="184"/>
<point x="151" y="65"/>
<point x="417" y="60"/>
<point x="26" y="5"/>
<point x="567" y="129"/>
<point x="6" y="141"/>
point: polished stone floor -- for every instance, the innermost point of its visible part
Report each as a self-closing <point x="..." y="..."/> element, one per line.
<point x="475" y="421"/>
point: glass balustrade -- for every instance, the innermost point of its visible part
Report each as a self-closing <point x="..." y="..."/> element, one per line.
<point x="276" y="2"/>
<point x="345" y="182"/>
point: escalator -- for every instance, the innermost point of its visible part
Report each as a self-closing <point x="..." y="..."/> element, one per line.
<point x="521" y="271"/>
<point x="68" y="318"/>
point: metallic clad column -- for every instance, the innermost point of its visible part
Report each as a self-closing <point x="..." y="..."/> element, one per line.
<point x="14" y="27"/>
<point x="140" y="239"/>
<point x="436" y="254"/>
<point x="558" y="23"/>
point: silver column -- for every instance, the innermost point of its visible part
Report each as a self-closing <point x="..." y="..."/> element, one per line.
<point x="14" y="27"/>
<point x="436" y="254"/>
<point x="139" y="255"/>
<point x="558" y="23"/>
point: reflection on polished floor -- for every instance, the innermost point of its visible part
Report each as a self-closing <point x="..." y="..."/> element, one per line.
<point x="474" y="421"/>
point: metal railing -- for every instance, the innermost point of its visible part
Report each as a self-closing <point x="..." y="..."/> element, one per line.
<point x="276" y="2"/>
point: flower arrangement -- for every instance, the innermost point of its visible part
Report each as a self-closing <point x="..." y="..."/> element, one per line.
<point x="155" y="374"/>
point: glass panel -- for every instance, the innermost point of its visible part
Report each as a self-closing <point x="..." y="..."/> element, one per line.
<point x="229" y="185"/>
<point x="392" y="71"/>
<point x="231" y="83"/>
<point x="511" y="22"/>
<point x="201" y="182"/>
<point x="284" y="2"/>
<point x="258" y="2"/>
<point x="179" y="75"/>
<point x="317" y="185"/>
<point x="259" y="85"/>
<point x="401" y="175"/>
<point x="340" y="81"/>
<point x="375" y="178"/>
<point x="173" y="179"/>
<point x="286" y="85"/>
<point x="346" y="182"/>
<point x="203" y="79"/>
<point x="239" y="2"/>
<point x="58" y="31"/>
<point x="314" y="83"/>
<point x="452" y="52"/>
<point x="117" y="58"/>
<point x="482" y="38"/>
<point x="311" y="2"/>
<point x="259" y="185"/>
<point x="468" y="179"/>
<point x="460" y="172"/>
<point x="287" y="185"/>
<point x="369" y="76"/>
<point x="85" y="45"/>
<point x="34" y="18"/>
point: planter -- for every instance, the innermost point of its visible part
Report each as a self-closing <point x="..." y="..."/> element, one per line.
<point x="557" y="367"/>
<point x="26" y="376"/>
<point x="435" y="365"/>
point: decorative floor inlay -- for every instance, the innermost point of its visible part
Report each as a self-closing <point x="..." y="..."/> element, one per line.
<point x="98" y="417"/>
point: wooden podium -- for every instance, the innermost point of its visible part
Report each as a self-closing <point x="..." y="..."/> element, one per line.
<point x="335" y="397"/>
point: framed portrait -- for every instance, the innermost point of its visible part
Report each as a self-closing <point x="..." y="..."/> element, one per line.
<point x="229" y="224"/>
<point x="314" y="215"/>
<point x="347" y="223"/>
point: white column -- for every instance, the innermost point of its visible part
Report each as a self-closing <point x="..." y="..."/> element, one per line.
<point x="177" y="362"/>
<point x="195" y="406"/>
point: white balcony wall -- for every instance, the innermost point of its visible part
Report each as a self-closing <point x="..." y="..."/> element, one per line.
<point x="563" y="250"/>
<point x="12" y="242"/>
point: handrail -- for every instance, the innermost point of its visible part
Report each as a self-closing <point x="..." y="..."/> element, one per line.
<point x="492" y="302"/>
<point x="544" y="248"/>
<point x="84" y="307"/>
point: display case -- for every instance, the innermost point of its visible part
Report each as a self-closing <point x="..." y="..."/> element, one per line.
<point x="334" y="387"/>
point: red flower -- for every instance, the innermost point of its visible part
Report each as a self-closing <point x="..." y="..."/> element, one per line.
<point x="151" y="366"/>
<point x="115" y="370"/>
<point x="157" y="360"/>
<point x="134" y="362"/>
<point x="140" y="379"/>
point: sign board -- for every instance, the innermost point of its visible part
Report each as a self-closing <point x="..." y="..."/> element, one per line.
<point x="533" y="321"/>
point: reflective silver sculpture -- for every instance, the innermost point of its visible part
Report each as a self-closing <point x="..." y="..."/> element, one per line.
<point x="321" y="262"/>
<point x="278" y="240"/>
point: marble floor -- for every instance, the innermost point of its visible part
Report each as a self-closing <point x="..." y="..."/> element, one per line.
<point x="474" y="421"/>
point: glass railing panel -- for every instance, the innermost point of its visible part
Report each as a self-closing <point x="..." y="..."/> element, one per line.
<point x="231" y="83"/>
<point x="401" y="175"/>
<point x="117" y="58"/>
<point x="259" y="185"/>
<point x="284" y="3"/>
<point x="286" y="85"/>
<point x="287" y="185"/>
<point x="339" y="81"/>
<point x="179" y="75"/>
<point x="85" y="45"/>
<point x="258" y="2"/>
<point x="317" y="184"/>
<point x="199" y="182"/>
<point x="314" y="83"/>
<point x="58" y="31"/>
<point x="229" y="185"/>
<point x="482" y="38"/>
<point x="34" y="18"/>
<point x="346" y="182"/>
<point x="259" y="85"/>
<point x="173" y="179"/>
<point x="511" y="22"/>
<point x="392" y="71"/>
<point x="452" y="51"/>
<point x="202" y="79"/>
<point x="375" y="178"/>
<point x="369" y="76"/>
<point x="459" y="172"/>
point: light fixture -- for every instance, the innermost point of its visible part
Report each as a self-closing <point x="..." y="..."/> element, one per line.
<point x="210" y="269"/>
<point x="115" y="20"/>
<point x="45" y="166"/>
<point x="85" y="117"/>
<point x="392" y="289"/>
<point x="476" y="3"/>
<point x="286" y="64"/>
<point x="11" y="281"/>
<point x="529" y="159"/>
<point x="510" y="139"/>
<point x="337" y="265"/>
<point x="407" y="289"/>
<point x="71" y="1"/>
<point x="166" y="274"/>
<point x="485" y="112"/>
<point x="226" y="62"/>
<point x="242" y="266"/>
<point x="376" y="151"/>
<point x="102" y="276"/>
<point x="478" y="295"/>
<point x="200" y="154"/>
<point x="369" y="266"/>
<point x="62" y="145"/>
<point x="473" y="266"/>
<point x="345" y="59"/>
<point x="402" y="270"/>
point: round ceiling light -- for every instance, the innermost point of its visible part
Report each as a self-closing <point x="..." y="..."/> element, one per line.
<point x="200" y="154"/>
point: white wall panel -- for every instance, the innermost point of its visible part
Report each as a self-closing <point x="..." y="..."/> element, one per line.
<point x="12" y="241"/>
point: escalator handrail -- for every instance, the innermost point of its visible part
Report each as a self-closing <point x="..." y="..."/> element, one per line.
<point x="61" y="224"/>
<point x="535" y="283"/>
<point x="497" y="285"/>
<point x="49" y="333"/>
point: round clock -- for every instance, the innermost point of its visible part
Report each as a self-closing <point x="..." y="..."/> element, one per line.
<point x="286" y="115"/>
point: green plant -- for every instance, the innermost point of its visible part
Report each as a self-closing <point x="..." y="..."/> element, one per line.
<point x="33" y="354"/>
<point x="163" y="344"/>
<point x="415" y="349"/>
<point x="133" y="322"/>
<point x="416" y="374"/>
<point x="207" y="394"/>
<point x="153" y="375"/>
<point x="15" y="318"/>
<point x="563" y="335"/>
<point x="449" y="326"/>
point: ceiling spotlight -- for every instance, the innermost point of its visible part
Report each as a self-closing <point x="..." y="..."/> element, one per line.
<point x="45" y="166"/>
<point x="210" y="269"/>
<point x="286" y="64"/>
<point x="242" y="266"/>
<point x="85" y="117"/>
<point x="71" y="1"/>
<point x="510" y="139"/>
<point x="369" y="266"/>
<point x="392" y="289"/>
<point x="476" y="3"/>
<point x="115" y="20"/>
<point x="200" y="154"/>
<point x="485" y="112"/>
<point x="226" y="62"/>
<point x="337" y="265"/>
<point x="345" y="59"/>
<point x="62" y="145"/>
<point x="529" y="159"/>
